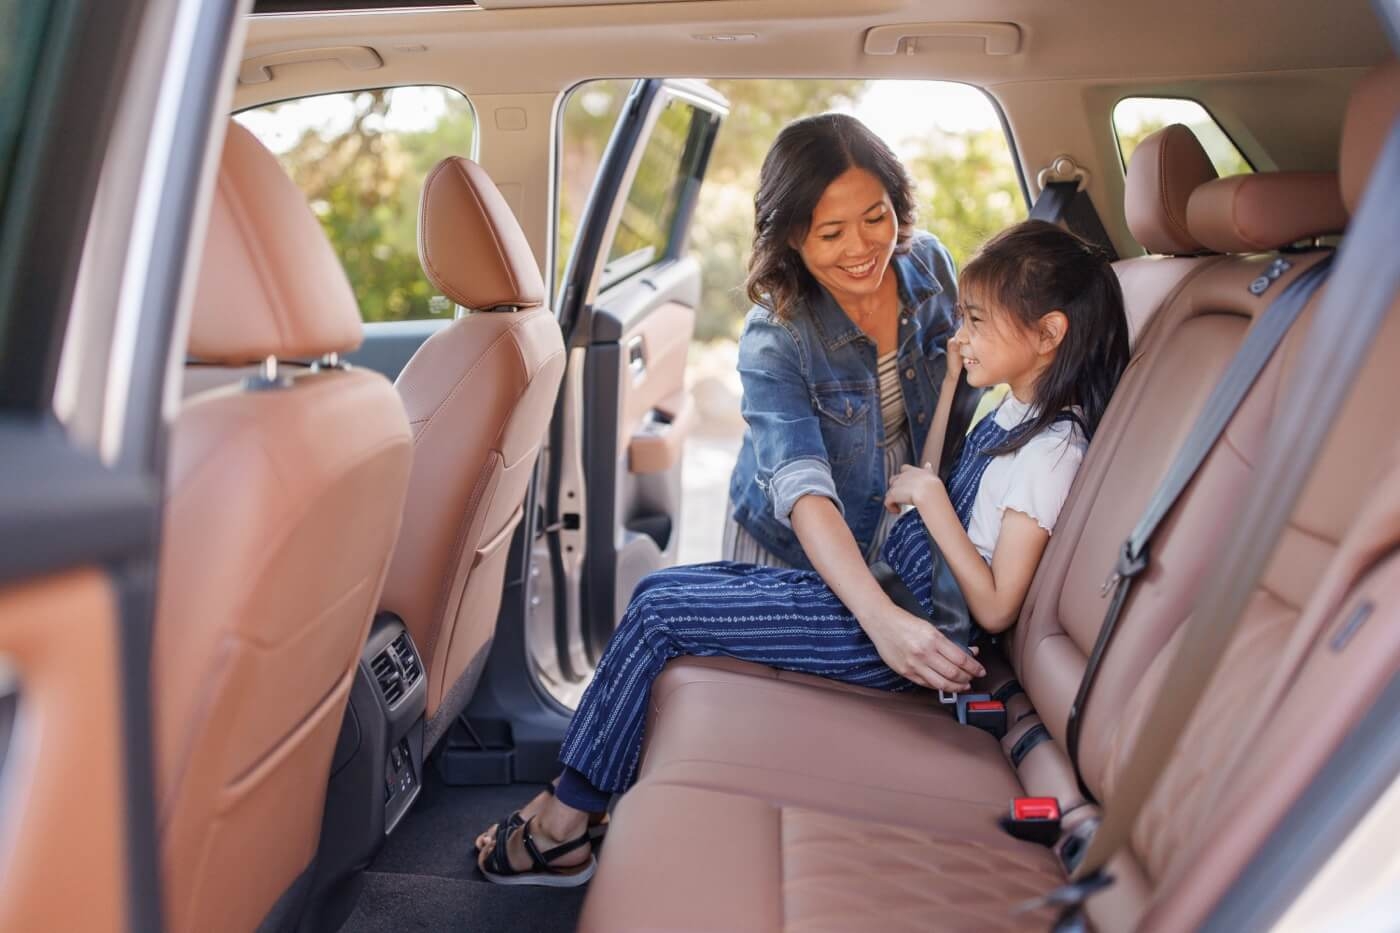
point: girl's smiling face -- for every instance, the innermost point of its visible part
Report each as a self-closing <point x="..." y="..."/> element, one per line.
<point x="996" y="349"/>
<point x="852" y="236"/>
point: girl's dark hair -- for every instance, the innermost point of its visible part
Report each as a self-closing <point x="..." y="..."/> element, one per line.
<point x="1033" y="268"/>
<point x="808" y="155"/>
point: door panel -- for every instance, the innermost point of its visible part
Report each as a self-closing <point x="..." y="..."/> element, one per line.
<point x="629" y="303"/>
<point x="642" y="338"/>
<point x="61" y="865"/>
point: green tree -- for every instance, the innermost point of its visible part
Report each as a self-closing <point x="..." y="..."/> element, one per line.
<point x="363" y="183"/>
<point x="967" y="189"/>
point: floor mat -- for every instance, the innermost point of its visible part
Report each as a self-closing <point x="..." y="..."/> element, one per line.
<point x="425" y="877"/>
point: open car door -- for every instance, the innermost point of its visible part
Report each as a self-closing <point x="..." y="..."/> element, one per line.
<point x="106" y="113"/>
<point x="627" y="305"/>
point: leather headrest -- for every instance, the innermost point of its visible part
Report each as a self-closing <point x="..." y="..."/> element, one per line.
<point x="269" y="282"/>
<point x="1374" y="103"/>
<point x="1163" y="171"/>
<point x="471" y="245"/>
<point x="1269" y="210"/>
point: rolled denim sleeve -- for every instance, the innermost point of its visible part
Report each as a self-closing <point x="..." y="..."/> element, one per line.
<point x="787" y="438"/>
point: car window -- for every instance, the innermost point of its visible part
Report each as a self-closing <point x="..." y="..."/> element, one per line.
<point x="647" y="226"/>
<point x="1136" y="118"/>
<point x="361" y="158"/>
<point x="949" y="136"/>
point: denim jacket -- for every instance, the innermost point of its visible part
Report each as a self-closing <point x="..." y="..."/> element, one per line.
<point x="811" y="400"/>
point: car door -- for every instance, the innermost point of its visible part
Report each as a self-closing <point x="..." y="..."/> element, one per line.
<point x="627" y="306"/>
<point x="106" y="113"/>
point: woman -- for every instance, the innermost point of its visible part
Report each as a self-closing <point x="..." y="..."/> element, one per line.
<point x="1044" y="316"/>
<point x="842" y="357"/>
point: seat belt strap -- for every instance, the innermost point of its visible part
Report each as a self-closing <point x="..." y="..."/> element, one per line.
<point x="1259" y="346"/>
<point x="1064" y="202"/>
<point x="1366" y="284"/>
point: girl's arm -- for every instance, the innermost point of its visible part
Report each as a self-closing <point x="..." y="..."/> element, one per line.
<point x="909" y="645"/>
<point x="993" y="593"/>
<point x="937" y="432"/>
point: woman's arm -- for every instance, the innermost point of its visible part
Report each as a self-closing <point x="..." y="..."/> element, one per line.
<point x="909" y="645"/>
<point x="937" y="432"/>
<point x="993" y="593"/>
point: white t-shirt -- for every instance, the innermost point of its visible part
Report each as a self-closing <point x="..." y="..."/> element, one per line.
<point x="1034" y="479"/>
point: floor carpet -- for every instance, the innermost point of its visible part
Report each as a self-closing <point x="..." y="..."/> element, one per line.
<point x="425" y="878"/>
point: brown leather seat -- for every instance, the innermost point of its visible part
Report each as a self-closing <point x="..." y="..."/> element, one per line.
<point x="804" y="817"/>
<point x="284" y="496"/>
<point x="479" y="394"/>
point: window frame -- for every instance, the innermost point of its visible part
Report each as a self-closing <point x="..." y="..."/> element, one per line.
<point x="1118" y="136"/>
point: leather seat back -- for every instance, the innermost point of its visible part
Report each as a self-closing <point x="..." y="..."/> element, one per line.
<point x="480" y="394"/>
<point x="1164" y="170"/>
<point x="284" y="496"/>
<point x="1175" y="367"/>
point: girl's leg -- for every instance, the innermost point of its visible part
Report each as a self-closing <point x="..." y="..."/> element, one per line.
<point x="786" y="619"/>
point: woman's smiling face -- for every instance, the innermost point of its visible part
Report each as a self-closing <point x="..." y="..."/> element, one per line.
<point x="852" y="236"/>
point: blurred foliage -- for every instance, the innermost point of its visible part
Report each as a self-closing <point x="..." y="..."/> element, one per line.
<point x="1222" y="152"/>
<point x="363" y="181"/>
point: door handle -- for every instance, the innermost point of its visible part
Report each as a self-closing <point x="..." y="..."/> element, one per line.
<point x="636" y="357"/>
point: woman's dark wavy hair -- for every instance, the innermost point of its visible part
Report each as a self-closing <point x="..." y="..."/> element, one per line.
<point x="808" y="155"/>
<point x="1027" y="271"/>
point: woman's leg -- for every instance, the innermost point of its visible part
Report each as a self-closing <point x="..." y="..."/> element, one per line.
<point x="786" y="619"/>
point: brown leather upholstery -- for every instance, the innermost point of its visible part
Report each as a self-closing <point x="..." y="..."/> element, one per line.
<point x="470" y="243"/>
<point x="479" y="395"/>
<point x="1163" y="171"/>
<point x="787" y="793"/>
<point x="1370" y="112"/>
<point x="277" y="288"/>
<point x="1246" y="213"/>
<point x="282" y="507"/>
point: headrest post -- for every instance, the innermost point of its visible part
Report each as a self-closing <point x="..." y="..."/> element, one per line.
<point x="269" y="369"/>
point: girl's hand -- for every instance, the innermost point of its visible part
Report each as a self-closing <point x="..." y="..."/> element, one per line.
<point x="912" y="486"/>
<point x="918" y="651"/>
<point x="955" y="362"/>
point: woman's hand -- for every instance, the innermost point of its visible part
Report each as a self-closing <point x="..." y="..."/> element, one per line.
<point x="917" y="651"/>
<point x="955" y="363"/>
<point x="913" y="486"/>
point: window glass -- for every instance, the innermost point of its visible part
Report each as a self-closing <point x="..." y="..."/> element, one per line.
<point x="361" y="158"/>
<point x="1136" y="118"/>
<point x="648" y="215"/>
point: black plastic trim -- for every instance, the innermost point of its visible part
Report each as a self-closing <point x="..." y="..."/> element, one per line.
<point x="282" y="7"/>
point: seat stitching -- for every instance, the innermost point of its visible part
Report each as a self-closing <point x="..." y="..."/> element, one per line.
<point x="491" y="229"/>
<point x="1162" y="190"/>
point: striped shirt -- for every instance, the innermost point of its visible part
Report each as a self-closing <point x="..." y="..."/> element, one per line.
<point x="897" y="450"/>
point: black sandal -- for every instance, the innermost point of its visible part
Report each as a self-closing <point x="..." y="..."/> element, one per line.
<point x="498" y="869"/>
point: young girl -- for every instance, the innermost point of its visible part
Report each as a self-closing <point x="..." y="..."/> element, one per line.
<point x="1042" y="312"/>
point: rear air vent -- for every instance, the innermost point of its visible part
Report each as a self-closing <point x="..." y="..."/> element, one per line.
<point x="408" y="661"/>
<point x="386" y="673"/>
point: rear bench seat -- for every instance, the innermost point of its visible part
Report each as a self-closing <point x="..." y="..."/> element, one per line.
<point x="768" y="803"/>
<point x="744" y="723"/>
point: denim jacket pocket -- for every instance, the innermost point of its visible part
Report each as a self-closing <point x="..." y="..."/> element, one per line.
<point x="845" y="420"/>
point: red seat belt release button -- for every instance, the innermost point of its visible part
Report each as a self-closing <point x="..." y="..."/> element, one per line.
<point x="980" y="710"/>
<point x="1034" y="819"/>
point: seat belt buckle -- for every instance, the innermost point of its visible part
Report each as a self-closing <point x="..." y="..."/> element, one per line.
<point x="980" y="710"/>
<point x="1034" y="819"/>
